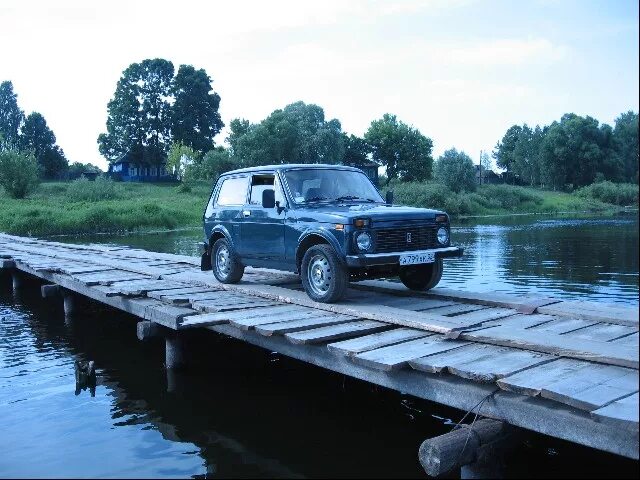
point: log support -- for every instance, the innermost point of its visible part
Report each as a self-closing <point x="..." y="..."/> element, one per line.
<point x="17" y="279"/>
<point x="50" y="291"/>
<point x="474" y="449"/>
<point x="146" y="330"/>
<point x="70" y="301"/>
<point x="174" y="351"/>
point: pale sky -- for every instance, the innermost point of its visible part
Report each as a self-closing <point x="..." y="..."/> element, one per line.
<point x="461" y="71"/>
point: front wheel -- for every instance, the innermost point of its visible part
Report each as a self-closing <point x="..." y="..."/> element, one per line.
<point x="421" y="277"/>
<point x="224" y="262"/>
<point x="324" y="277"/>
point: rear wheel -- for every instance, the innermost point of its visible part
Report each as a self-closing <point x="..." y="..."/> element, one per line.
<point x="224" y="262"/>
<point x="421" y="277"/>
<point x="324" y="277"/>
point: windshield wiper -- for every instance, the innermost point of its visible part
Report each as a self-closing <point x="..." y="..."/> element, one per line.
<point x="315" y="199"/>
<point x="354" y="197"/>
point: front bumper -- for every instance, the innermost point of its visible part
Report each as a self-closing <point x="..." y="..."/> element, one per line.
<point x="393" y="258"/>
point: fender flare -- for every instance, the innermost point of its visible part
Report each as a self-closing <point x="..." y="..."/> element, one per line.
<point x="326" y="235"/>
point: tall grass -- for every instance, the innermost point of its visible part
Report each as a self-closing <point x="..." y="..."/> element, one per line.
<point x="608" y="192"/>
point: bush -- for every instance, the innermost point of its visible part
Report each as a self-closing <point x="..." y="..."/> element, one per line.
<point x="455" y="170"/>
<point x="101" y="188"/>
<point x="18" y="173"/>
<point x="609" y="192"/>
<point x="509" y="197"/>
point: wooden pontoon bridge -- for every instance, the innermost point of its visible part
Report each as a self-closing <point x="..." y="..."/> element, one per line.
<point x="568" y="369"/>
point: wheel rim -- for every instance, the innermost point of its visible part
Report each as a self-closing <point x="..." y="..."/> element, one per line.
<point x="223" y="263"/>
<point x="319" y="275"/>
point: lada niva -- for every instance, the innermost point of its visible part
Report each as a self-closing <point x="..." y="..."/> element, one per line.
<point x="328" y="223"/>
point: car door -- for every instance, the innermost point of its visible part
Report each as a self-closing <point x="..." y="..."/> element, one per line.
<point x="230" y="200"/>
<point x="262" y="229"/>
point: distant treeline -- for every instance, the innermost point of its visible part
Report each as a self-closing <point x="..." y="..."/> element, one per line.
<point x="573" y="152"/>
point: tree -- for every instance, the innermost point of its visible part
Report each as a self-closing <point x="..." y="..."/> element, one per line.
<point x="573" y="151"/>
<point x="77" y="170"/>
<point x="37" y="137"/>
<point x="11" y="117"/>
<point x="298" y="133"/>
<point x="139" y="114"/>
<point x="356" y="150"/>
<point x="18" y="172"/>
<point x="504" y="149"/>
<point x="402" y="149"/>
<point x="194" y="118"/>
<point x="214" y="163"/>
<point x="180" y="157"/>
<point x="526" y="154"/>
<point x="455" y="170"/>
<point x="625" y="143"/>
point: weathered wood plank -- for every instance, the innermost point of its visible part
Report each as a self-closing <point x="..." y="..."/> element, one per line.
<point x="141" y="287"/>
<point x="544" y="342"/>
<point x="594" y="311"/>
<point x="166" y="296"/>
<point x="376" y="340"/>
<point x="457" y="308"/>
<point x="630" y="341"/>
<point x="336" y="332"/>
<point x="202" y="320"/>
<point x="563" y="326"/>
<point x="602" y="332"/>
<point x="280" y="328"/>
<point x="211" y="306"/>
<point x="481" y="363"/>
<point x="107" y="277"/>
<point x="621" y="413"/>
<point x="249" y="322"/>
<point x="397" y="356"/>
<point x="532" y="380"/>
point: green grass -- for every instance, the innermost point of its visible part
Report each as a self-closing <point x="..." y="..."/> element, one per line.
<point x="91" y="207"/>
<point x="74" y="207"/>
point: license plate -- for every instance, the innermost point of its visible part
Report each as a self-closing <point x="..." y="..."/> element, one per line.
<point x="417" y="258"/>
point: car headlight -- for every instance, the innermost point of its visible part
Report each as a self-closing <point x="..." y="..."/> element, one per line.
<point x="443" y="236"/>
<point x="363" y="240"/>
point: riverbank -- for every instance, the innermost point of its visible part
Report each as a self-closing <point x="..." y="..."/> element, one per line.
<point x="95" y="207"/>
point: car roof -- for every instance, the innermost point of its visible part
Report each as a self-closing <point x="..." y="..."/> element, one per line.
<point x="291" y="166"/>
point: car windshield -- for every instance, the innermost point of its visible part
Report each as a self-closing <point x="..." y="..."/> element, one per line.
<point x="327" y="185"/>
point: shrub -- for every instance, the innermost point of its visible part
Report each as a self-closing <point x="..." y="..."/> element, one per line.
<point x="608" y="192"/>
<point x="18" y="173"/>
<point x="101" y="188"/>
<point x="455" y="170"/>
<point x="509" y="197"/>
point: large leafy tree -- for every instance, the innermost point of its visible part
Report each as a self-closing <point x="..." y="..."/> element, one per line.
<point x="525" y="157"/>
<point x="11" y="117"/>
<point x="625" y="142"/>
<point x="139" y="121"/>
<point x="195" y="118"/>
<point x="504" y="150"/>
<point x="298" y="133"/>
<point x="403" y="150"/>
<point x="455" y="169"/>
<point x="574" y="151"/>
<point x="37" y="137"/>
<point x="356" y="150"/>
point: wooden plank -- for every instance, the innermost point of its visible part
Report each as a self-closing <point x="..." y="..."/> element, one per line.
<point x="630" y="341"/>
<point x="397" y="356"/>
<point x="621" y="413"/>
<point x="335" y="332"/>
<point x="212" y="306"/>
<point x="521" y="321"/>
<point x="485" y="315"/>
<point x="141" y="287"/>
<point x="250" y="322"/>
<point x="242" y="315"/>
<point x="165" y="295"/>
<point x="107" y="277"/>
<point x="594" y="311"/>
<point x="602" y="332"/>
<point x="191" y="297"/>
<point x="481" y="363"/>
<point x="532" y="380"/>
<point x="280" y="328"/>
<point x="593" y="387"/>
<point x="563" y="326"/>
<point x="416" y="304"/>
<point x="167" y="315"/>
<point x="202" y="320"/>
<point x="457" y="308"/>
<point x="376" y="340"/>
<point x="544" y="342"/>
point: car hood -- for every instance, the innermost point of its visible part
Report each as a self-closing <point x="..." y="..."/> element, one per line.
<point x="339" y="213"/>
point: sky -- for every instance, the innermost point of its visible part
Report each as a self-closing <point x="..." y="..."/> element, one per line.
<point x="460" y="71"/>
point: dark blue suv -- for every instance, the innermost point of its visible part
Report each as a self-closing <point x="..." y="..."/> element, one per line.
<point x="327" y="222"/>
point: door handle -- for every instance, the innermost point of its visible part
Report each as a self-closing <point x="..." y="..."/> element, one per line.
<point x="246" y="213"/>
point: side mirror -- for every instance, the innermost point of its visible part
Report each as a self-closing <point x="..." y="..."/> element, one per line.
<point x="268" y="198"/>
<point x="390" y="197"/>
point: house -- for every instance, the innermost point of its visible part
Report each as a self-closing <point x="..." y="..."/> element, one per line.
<point x="126" y="169"/>
<point x="484" y="176"/>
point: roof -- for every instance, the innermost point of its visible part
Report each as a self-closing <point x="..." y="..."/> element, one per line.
<point x="290" y="166"/>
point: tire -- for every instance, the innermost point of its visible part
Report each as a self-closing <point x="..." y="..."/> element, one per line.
<point x="224" y="262"/>
<point x="324" y="277"/>
<point x="422" y="277"/>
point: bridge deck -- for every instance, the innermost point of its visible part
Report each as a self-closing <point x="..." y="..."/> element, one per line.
<point x="568" y="369"/>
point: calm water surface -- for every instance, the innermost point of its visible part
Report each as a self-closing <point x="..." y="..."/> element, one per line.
<point x="245" y="412"/>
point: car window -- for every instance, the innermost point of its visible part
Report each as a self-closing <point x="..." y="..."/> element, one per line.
<point x="233" y="191"/>
<point x="260" y="183"/>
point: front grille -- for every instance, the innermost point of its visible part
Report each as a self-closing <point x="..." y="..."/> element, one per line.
<point x="395" y="239"/>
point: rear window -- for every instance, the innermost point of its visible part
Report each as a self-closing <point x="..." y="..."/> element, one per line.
<point x="233" y="191"/>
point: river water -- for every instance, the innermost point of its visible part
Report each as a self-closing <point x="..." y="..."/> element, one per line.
<point x="245" y="412"/>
